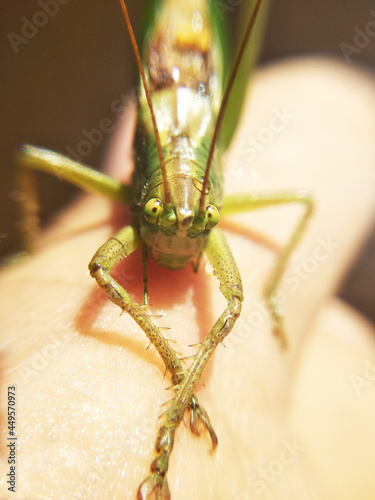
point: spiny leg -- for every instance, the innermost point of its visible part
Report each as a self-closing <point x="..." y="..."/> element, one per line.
<point x="255" y="201"/>
<point x="198" y="414"/>
<point x="226" y="270"/>
<point x="125" y="242"/>
<point x="113" y="251"/>
<point x="30" y="158"/>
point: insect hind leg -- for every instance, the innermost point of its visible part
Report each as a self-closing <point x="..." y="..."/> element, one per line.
<point x="255" y="201"/>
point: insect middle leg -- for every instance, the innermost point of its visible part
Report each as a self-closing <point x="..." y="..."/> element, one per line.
<point x="255" y="201"/>
<point x="227" y="272"/>
<point x="31" y="158"/>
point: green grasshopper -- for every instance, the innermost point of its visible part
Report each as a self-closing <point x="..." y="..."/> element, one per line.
<point x="177" y="192"/>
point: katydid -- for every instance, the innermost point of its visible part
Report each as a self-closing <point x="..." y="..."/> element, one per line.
<point x="177" y="193"/>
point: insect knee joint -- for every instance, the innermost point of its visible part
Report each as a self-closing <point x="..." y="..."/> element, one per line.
<point x="97" y="264"/>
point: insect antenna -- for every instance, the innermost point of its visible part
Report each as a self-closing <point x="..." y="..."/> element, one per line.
<point x="225" y="99"/>
<point x="149" y="102"/>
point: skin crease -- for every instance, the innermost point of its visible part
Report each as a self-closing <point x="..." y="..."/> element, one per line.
<point x="291" y="425"/>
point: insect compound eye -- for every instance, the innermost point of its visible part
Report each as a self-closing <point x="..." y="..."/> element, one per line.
<point x="213" y="216"/>
<point x="152" y="210"/>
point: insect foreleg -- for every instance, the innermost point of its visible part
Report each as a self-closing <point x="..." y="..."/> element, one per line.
<point x="255" y="201"/>
<point x="113" y="251"/>
<point x="227" y="272"/>
<point x="31" y="158"/>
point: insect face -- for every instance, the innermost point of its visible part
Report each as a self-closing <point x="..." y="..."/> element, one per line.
<point x="176" y="232"/>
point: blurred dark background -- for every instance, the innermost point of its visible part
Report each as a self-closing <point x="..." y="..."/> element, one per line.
<point x="70" y="70"/>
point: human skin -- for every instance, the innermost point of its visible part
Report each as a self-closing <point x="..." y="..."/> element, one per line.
<point x="290" y="423"/>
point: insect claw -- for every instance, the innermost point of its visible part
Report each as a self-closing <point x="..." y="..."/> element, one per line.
<point x="154" y="483"/>
<point x="194" y="345"/>
<point x="198" y="414"/>
<point x="148" y="345"/>
<point x="194" y="423"/>
<point x="146" y="488"/>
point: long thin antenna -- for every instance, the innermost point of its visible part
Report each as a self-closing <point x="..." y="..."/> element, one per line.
<point x="149" y="102"/>
<point x="224" y="102"/>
